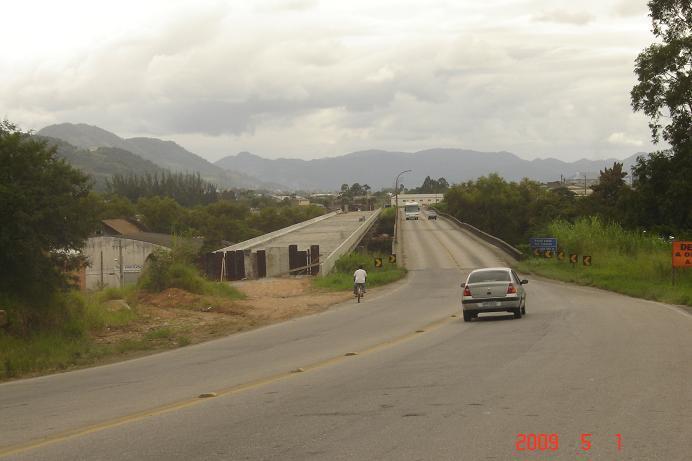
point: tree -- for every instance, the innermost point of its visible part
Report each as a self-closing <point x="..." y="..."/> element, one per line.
<point x="432" y="186"/>
<point x="356" y="190"/>
<point x="47" y="213"/>
<point x="662" y="199"/>
<point x="160" y="214"/>
<point x="116" y="206"/>
<point x="662" y="195"/>
<point x="609" y="195"/>
<point x="664" y="71"/>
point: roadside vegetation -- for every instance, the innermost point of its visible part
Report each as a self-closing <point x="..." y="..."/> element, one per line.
<point x="65" y="334"/>
<point x="623" y="261"/>
<point x="49" y="210"/>
<point x="342" y="277"/>
<point x="176" y="269"/>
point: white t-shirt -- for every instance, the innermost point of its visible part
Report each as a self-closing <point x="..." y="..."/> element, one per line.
<point x="359" y="276"/>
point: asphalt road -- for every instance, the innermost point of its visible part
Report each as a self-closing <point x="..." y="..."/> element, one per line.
<point x="583" y="361"/>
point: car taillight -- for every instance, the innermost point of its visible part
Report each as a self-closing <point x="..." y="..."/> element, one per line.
<point x="511" y="289"/>
<point x="467" y="292"/>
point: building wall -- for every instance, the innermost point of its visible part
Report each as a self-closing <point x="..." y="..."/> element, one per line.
<point x="277" y="261"/>
<point x="107" y="249"/>
<point x="422" y="199"/>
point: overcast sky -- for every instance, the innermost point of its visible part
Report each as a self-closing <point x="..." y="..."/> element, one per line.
<point x="316" y="78"/>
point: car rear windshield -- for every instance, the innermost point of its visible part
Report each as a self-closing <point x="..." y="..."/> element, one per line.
<point x="489" y="276"/>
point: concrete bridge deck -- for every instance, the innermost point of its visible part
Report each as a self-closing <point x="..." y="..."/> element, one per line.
<point x="335" y="233"/>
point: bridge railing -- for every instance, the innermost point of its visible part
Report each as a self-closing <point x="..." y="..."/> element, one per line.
<point x="277" y="233"/>
<point x="349" y="244"/>
<point x="499" y="243"/>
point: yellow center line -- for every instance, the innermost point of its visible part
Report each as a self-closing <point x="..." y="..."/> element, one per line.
<point x="171" y="407"/>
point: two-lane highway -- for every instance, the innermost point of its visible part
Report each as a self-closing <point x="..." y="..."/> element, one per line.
<point x="583" y="361"/>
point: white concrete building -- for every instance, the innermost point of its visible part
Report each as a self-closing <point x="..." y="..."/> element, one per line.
<point x="422" y="199"/>
<point x="115" y="261"/>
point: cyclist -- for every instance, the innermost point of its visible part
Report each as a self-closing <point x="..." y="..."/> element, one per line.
<point x="359" y="277"/>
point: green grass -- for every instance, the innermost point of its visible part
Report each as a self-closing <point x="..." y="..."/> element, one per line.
<point x="159" y="333"/>
<point x="222" y="290"/>
<point x="622" y="261"/>
<point x="110" y="293"/>
<point x="341" y="278"/>
<point x="57" y="336"/>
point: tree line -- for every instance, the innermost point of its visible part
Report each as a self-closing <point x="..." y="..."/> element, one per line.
<point x="220" y="223"/>
<point x="187" y="189"/>
<point x="515" y="211"/>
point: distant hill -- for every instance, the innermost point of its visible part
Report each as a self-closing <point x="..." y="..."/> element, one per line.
<point x="103" y="162"/>
<point x="378" y="168"/>
<point x="165" y="154"/>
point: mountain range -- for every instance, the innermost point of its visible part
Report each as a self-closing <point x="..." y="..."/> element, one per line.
<point x="102" y="153"/>
<point x="378" y="168"/>
<point x="97" y="142"/>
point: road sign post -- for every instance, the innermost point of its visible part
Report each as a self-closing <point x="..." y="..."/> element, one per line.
<point x="543" y="245"/>
<point x="682" y="254"/>
<point x="681" y="257"/>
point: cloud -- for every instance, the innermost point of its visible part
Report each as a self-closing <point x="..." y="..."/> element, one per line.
<point x="629" y="8"/>
<point x="325" y="79"/>
<point x="577" y="18"/>
<point x="622" y="139"/>
<point x="290" y="5"/>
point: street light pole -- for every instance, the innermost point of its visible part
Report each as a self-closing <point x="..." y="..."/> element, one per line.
<point x="396" y="210"/>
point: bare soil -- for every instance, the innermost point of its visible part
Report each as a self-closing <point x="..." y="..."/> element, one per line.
<point x="187" y="318"/>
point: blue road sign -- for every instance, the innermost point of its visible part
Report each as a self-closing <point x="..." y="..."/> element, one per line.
<point x="543" y="244"/>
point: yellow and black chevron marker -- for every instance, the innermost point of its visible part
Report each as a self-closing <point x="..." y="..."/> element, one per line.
<point x="392" y="259"/>
<point x="548" y="254"/>
<point x="378" y="262"/>
<point x="586" y="260"/>
<point x="561" y="255"/>
<point x="573" y="258"/>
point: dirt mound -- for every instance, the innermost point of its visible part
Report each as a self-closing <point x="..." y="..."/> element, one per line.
<point x="199" y="318"/>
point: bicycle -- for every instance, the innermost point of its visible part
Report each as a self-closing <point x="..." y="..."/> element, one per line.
<point x="359" y="291"/>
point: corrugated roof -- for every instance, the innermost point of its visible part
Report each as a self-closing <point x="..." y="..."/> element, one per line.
<point x="122" y="226"/>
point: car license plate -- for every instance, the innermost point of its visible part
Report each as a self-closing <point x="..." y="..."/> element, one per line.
<point x="491" y="304"/>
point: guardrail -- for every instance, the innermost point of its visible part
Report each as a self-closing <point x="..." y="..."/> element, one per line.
<point x="349" y="244"/>
<point x="277" y="233"/>
<point x="501" y="244"/>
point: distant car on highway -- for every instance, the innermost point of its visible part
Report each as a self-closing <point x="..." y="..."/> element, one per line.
<point x="495" y="289"/>
<point x="432" y="214"/>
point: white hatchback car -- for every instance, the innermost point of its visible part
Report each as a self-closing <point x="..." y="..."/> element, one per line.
<point x="495" y="289"/>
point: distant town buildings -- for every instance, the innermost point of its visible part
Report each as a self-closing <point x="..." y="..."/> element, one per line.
<point x="579" y="186"/>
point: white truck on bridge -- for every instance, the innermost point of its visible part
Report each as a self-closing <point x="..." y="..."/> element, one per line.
<point x="411" y="210"/>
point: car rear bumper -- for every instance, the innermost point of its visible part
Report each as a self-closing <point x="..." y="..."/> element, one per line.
<point x="490" y="305"/>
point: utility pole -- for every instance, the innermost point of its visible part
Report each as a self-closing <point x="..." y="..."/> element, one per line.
<point x="120" y="261"/>
<point x="584" y="184"/>
<point x="396" y="210"/>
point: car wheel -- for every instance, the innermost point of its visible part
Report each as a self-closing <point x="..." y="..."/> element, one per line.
<point x="467" y="316"/>
<point x="523" y="309"/>
<point x="517" y="313"/>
